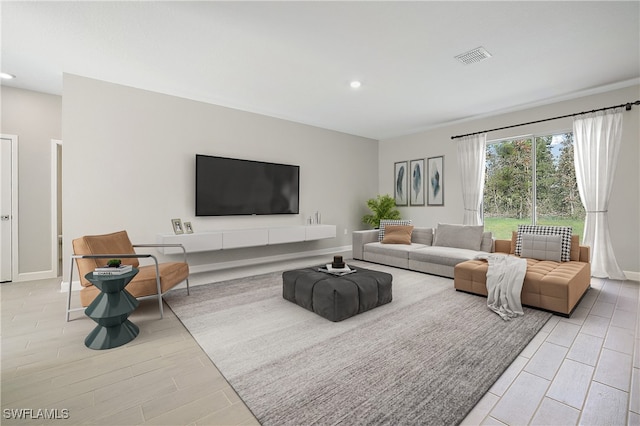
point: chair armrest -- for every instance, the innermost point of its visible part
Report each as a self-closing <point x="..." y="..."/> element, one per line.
<point x="110" y="256"/>
<point x="359" y="239"/>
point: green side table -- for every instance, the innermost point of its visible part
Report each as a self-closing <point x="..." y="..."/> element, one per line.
<point x="111" y="310"/>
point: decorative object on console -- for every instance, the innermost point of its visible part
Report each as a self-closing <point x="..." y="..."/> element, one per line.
<point x="400" y="176"/>
<point x="177" y="226"/>
<point x="188" y="228"/>
<point x="382" y="207"/>
<point x="435" y="176"/>
<point x="416" y="188"/>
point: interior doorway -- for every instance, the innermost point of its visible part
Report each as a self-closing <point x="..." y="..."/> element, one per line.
<point x="56" y="206"/>
<point x="8" y="207"/>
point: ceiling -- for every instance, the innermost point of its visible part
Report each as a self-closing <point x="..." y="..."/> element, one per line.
<point x="295" y="60"/>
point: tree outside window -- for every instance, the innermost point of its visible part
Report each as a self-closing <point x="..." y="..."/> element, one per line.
<point x="531" y="180"/>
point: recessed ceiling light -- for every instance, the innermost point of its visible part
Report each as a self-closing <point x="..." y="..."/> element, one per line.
<point x="6" y="76"/>
<point x="355" y="84"/>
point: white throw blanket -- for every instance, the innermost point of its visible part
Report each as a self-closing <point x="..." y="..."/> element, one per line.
<point x="505" y="276"/>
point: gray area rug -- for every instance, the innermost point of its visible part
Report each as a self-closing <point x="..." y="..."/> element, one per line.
<point x="425" y="358"/>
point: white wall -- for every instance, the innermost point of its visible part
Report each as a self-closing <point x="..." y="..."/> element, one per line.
<point x="36" y="119"/>
<point x="160" y="135"/>
<point x="129" y="157"/>
<point x="624" y="208"/>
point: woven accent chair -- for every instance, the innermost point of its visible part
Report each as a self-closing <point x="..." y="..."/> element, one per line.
<point x="154" y="280"/>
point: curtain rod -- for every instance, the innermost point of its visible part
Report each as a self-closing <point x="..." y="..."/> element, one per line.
<point x="627" y="107"/>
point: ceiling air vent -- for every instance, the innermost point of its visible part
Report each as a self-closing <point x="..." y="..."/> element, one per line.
<point x="476" y="55"/>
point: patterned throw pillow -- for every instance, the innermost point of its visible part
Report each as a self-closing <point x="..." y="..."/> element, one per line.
<point x="564" y="231"/>
<point x="385" y="222"/>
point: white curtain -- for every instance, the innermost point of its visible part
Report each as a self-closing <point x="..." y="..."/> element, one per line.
<point x="471" y="159"/>
<point x="597" y="144"/>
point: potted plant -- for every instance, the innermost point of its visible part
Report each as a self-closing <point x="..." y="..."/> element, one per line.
<point x="114" y="263"/>
<point x="383" y="207"/>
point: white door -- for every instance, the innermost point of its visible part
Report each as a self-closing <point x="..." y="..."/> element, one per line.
<point x="5" y="210"/>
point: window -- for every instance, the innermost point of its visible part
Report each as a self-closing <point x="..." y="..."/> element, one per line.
<point x="531" y="180"/>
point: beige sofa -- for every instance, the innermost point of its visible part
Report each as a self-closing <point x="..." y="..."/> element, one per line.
<point x="433" y="251"/>
<point x="549" y="285"/>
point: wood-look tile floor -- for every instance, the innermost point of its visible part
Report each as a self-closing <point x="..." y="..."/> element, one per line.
<point x="582" y="370"/>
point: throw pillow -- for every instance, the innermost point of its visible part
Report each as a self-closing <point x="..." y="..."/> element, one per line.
<point x="487" y="242"/>
<point x="385" y="222"/>
<point x="514" y="238"/>
<point x="397" y="234"/>
<point x="422" y="236"/>
<point x="542" y="247"/>
<point x="459" y="236"/>
<point x="564" y="231"/>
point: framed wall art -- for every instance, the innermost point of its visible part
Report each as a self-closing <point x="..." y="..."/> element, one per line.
<point x="416" y="186"/>
<point x="435" y="181"/>
<point x="400" y="176"/>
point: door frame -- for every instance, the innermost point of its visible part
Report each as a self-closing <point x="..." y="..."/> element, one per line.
<point x="14" y="204"/>
<point x="54" y="207"/>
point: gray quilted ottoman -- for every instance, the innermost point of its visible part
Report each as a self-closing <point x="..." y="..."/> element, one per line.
<point x="336" y="297"/>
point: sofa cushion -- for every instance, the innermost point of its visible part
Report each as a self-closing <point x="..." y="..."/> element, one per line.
<point x="385" y="222"/>
<point x="393" y="250"/>
<point x="449" y="256"/>
<point x="542" y="247"/>
<point x="422" y="236"/>
<point x="397" y="234"/>
<point x="564" y="231"/>
<point x="459" y="236"/>
<point x="487" y="242"/>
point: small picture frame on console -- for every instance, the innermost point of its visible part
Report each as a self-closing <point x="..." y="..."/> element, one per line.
<point x="188" y="228"/>
<point x="177" y="226"/>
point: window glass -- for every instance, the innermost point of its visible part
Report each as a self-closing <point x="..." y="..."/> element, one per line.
<point x="531" y="180"/>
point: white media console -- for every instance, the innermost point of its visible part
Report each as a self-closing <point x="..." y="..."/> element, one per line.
<point x="238" y="238"/>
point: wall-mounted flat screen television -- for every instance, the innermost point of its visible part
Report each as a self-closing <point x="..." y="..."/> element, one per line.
<point x="231" y="186"/>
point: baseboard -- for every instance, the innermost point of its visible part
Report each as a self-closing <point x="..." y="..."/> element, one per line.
<point x="32" y="276"/>
<point x="203" y="274"/>
<point x="633" y="276"/>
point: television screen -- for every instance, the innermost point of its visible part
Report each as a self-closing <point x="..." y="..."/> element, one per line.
<point x="229" y="186"/>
